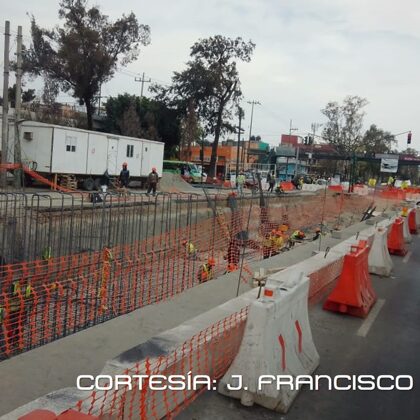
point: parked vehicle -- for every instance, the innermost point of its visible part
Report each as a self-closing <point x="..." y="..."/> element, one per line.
<point x="188" y="170"/>
<point x="56" y="150"/>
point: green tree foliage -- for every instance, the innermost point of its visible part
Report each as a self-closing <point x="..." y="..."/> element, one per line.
<point x="151" y="119"/>
<point x="343" y="128"/>
<point x="27" y="95"/>
<point x="85" y="51"/>
<point x="376" y="140"/>
<point x="211" y="80"/>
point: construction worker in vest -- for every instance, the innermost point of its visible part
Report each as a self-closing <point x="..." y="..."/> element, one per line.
<point x="46" y="253"/>
<point x="296" y="236"/>
<point x="190" y="249"/>
<point x="13" y="314"/>
<point x="404" y="185"/>
<point x="206" y="271"/>
<point x="240" y="182"/>
<point x="404" y="212"/>
<point x="275" y="242"/>
<point x="266" y="246"/>
<point x="391" y="181"/>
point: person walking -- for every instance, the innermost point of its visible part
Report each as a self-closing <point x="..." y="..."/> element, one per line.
<point x="240" y="182"/>
<point x="153" y="180"/>
<point x="124" y="175"/>
<point x="271" y="182"/>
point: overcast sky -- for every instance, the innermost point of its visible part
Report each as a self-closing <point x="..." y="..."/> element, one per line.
<point x="308" y="52"/>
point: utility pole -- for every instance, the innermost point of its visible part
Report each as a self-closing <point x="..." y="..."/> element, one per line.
<point x="142" y="80"/>
<point x="291" y="129"/>
<point x="240" y="111"/>
<point x="5" y="120"/>
<point x="252" y="103"/>
<point x="18" y="103"/>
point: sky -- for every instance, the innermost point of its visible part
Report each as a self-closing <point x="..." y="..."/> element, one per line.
<point x="308" y="53"/>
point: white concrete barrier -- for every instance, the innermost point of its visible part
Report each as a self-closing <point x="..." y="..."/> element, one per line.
<point x="312" y="187"/>
<point x="380" y="261"/>
<point x="277" y="341"/>
<point x="361" y="190"/>
<point x="406" y="231"/>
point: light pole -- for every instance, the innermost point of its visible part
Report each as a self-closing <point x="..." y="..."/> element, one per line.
<point x="241" y="114"/>
<point x="252" y="103"/>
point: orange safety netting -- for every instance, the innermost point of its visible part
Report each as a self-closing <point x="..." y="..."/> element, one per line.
<point x="44" y="300"/>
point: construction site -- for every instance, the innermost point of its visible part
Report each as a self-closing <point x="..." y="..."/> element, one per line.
<point x="165" y="285"/>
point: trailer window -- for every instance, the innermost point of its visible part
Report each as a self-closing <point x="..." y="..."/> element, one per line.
<point x="130" y="150"/>
<point x="70" y="143"/>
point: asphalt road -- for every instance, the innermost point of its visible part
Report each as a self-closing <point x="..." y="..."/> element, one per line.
<point x="387" y="343"/>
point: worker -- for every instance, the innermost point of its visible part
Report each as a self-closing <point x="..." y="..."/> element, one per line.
<point x="266" y="246"/>
<point x="124" y="175"/>
<point x="404" y="185"/>
<point x="271" y="179"/>
<point x="231" y="268"/>
<point x="240" y="182"/>
<point x="13" y="322"/>
<point x="206" y="271"/>
<point x="190" y="249"/>
<point x="296" y="236"/>
<point x="391" y="181"/>
<point x="276" y="242"/>
<point x="317" y="234"/>
<point x="153" y="180"/>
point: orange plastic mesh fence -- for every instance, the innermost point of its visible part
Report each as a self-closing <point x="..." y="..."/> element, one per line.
<point x="209" y="353"/>
<point x="44" y="300"/>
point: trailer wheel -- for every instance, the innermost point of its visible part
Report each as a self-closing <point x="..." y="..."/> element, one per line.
<point x="88" y="184"/>
<point x="97" y="183"/>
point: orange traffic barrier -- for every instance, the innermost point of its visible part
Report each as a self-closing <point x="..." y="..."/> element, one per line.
<point x="287" y="186"/>
<point x="396" y="244"/>
<point x="49" y="415"/>
<point x="353" y="293"/>
<point x="412" y="222"/>
<point x="337" y="188"/>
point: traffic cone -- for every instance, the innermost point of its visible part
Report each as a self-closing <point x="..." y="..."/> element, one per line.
<point x="353" y="293"/>
<point x="412" y="222"/>
<point x="396" y="243"/>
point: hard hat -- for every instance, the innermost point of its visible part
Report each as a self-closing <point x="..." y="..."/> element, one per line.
<point x="125" y="164"/>
<point x="211" y="261"/>
<point x="154" y="169"/>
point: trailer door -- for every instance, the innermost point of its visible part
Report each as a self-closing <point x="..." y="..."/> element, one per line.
<point x="112" y="156"/>
<point x="146" y="164"/>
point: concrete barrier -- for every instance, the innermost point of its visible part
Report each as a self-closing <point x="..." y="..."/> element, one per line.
<point x="406" y="231"/>
<point x="277" y="341"/>
<point x="380" y="261"/>
<point x="143" y="357"/>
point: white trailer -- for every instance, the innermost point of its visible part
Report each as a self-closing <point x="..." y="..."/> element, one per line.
<point x="52" y="149"/>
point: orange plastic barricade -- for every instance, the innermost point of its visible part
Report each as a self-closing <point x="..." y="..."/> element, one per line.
<point x="353" y="293"/>
<point x="337" y="188"/>
<point x="396" y="243"/>
<point x="412" y="222"/>
<point x="39" y="415"/>
<point x="287" y="186"/>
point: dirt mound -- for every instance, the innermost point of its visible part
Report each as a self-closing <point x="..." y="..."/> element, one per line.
<point x="173" y="183"/>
